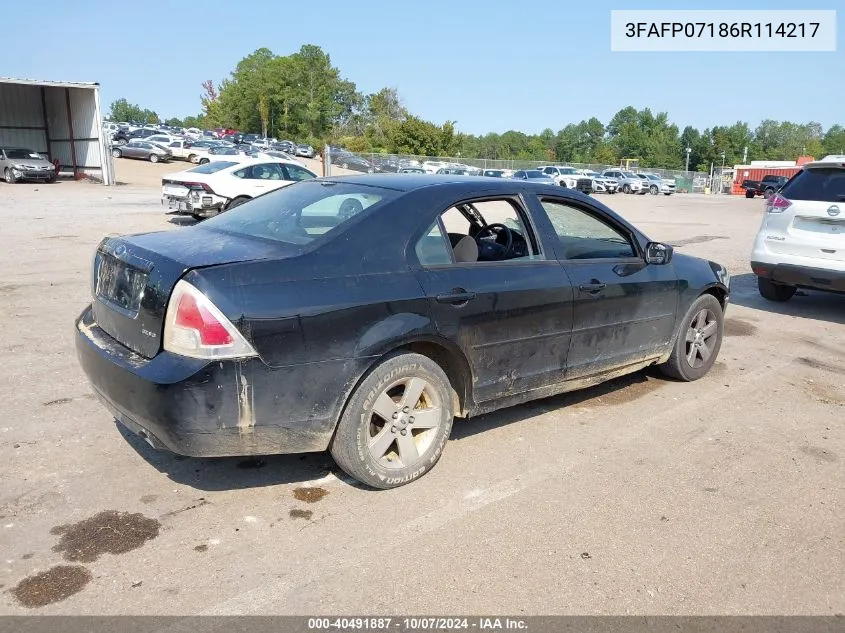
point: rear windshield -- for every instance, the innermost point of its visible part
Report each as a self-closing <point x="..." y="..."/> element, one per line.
<point x="212" y="167"/>
<point x="302" y="212"/>
<point x="819" y="185"/>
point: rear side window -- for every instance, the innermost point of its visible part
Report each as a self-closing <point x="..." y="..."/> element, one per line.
<point x="817" y="185"/>
<point x="213" y="167"/>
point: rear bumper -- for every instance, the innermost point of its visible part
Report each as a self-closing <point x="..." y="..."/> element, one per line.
<point x="205" y="205"/>
<point x="801" y="276"/>
<point x="201" y="409"/>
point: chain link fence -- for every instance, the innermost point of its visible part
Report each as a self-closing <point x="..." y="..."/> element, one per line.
<point x="685" y="181"/>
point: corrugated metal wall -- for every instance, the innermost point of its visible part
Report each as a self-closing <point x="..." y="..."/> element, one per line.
<point x="22" y="123"/>
<point x="20" y="107"/>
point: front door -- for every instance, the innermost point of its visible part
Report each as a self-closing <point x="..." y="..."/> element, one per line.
<point x="511" y="317"/>
<point x="624" y="309"/>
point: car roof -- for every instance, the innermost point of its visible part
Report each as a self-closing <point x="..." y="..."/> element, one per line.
<point x="831" y="160"/>
<point x="411" y="182"/>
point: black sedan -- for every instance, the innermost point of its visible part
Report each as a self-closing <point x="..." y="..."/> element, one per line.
<point x="353" y="162"/>
<point x="362" y="314"/>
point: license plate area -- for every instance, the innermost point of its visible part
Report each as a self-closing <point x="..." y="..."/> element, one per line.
<point x="820" y="226"/>
<point x="177" y="191"/>
<point x="119" y="285"/>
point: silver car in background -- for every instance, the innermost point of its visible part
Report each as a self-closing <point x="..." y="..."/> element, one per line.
<point x="143" y="150"/>
<point x="18" y="163"/>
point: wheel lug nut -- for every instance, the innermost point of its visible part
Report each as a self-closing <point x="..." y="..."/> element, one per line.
<point x="393" y="428"/>
<point x="403" y="432"/>
<point x="395" y="415"/>
<point x="411" y="419"/>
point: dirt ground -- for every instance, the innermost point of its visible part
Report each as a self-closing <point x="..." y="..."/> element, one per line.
<point x="643" y="496"/>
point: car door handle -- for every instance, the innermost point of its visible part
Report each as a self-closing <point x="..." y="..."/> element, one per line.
<point x="593" y="288"/>
<point x="455" y="297"/>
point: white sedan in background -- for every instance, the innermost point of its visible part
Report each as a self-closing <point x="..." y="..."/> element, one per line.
<point x="214" y="187"/>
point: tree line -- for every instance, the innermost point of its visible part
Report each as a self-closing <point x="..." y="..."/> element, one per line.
<point x="304" y="97"/>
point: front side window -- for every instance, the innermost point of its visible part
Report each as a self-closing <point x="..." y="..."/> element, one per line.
<point x="586" y="236"/>
<point x="477" y="232"/>
<point x="297" y="173"/>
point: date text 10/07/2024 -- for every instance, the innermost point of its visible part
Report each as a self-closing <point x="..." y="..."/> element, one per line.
<point x="417" y="624"/>
<point x="721" y="29"/>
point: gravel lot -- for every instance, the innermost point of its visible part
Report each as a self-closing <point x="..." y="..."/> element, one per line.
<point x="643" y="496"/>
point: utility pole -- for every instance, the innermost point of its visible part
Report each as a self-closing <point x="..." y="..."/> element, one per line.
<point x="689" y="149"/>
<point x="745" y="155"/>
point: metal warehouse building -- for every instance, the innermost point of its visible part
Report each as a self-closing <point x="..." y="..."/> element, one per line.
<point x="59" y="119"/>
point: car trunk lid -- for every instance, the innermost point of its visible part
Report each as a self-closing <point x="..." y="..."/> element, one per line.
<point x="133" y="277"/>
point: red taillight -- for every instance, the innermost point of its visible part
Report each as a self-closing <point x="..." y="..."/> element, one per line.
<point x="197" y="185"/>
<point x="777" y="204"/>
<point x="195" y="327"/>
<point x="196" y="317"/>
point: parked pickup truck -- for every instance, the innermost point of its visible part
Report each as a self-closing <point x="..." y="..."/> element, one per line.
<point x="766" y="187"/>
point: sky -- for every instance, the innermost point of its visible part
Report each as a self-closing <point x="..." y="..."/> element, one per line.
<point x="489" y="65"/>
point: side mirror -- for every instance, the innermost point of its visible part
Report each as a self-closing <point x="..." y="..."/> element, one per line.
<point x="658" y="254"/>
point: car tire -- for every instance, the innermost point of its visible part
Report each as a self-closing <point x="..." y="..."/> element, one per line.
<point x="667" y="194"/>
<point x="9" y="176"/>
<point x="698" y="341"/>
<point x="749" y="193"/>
<point x="154" y="158"/>
<point x="116" y="153"/>
<point x="626" y="188"/>
<point x="768" y="193"/>
<point x="344" y="165"/>
<point x="774" y="292"/>
<point x="377" y="432"/>
<point x="51" y="179"/>
<point x="204" y="161"/>
<point x="653" y="190"/>
<point x="192" y="158"/>
<point x="197" y="217"/>
<point x="236" y="202"/>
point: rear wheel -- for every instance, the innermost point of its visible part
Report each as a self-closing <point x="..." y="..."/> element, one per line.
<point x="749" y="193"/>
<point x="237" y="202"/>
<point x="698" y="342"/>
<point x="774" y="292"/>
<point x="204" y="161"/>
<point x="768" y="193"/>
<point x="396" y="423"/>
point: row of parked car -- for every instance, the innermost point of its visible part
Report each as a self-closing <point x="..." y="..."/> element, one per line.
<point x="588" y="181"/>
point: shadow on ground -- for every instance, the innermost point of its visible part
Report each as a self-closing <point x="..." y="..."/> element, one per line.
<point x="807" y="304"/>
<point x="235" y="473"/>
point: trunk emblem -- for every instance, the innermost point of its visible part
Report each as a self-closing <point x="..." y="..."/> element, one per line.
<point x="833" y="211"/>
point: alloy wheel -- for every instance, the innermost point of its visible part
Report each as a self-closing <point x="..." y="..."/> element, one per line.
<point x="701" y="338"/>
<point x="404" y="422"/>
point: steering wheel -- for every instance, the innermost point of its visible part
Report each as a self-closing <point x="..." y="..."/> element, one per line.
<point x="493" y="250"/>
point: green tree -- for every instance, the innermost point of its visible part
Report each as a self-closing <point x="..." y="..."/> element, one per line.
<point x="122" y="110"/>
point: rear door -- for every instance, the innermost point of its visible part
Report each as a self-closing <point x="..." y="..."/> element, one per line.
<point x="624" y="309"/>
<point x="511" y="318"/>
<point x="815" y="222"/>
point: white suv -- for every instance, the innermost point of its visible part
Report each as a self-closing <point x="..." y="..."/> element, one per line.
<point x="801" y="242"/>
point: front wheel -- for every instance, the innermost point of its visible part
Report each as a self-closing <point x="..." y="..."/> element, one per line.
<point x="396" y="423"/>
<point x="204" y="161"/>
<point x="768" y="193"/>
<point x="10" y="177"/>
<point x="698" y="342"/>
<point x="626" y="188"/>
<point x="153" y="158"/>
<point x="653" y="190"/>
<point x="116" y="153"/>
<point x="774" y="292"/>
